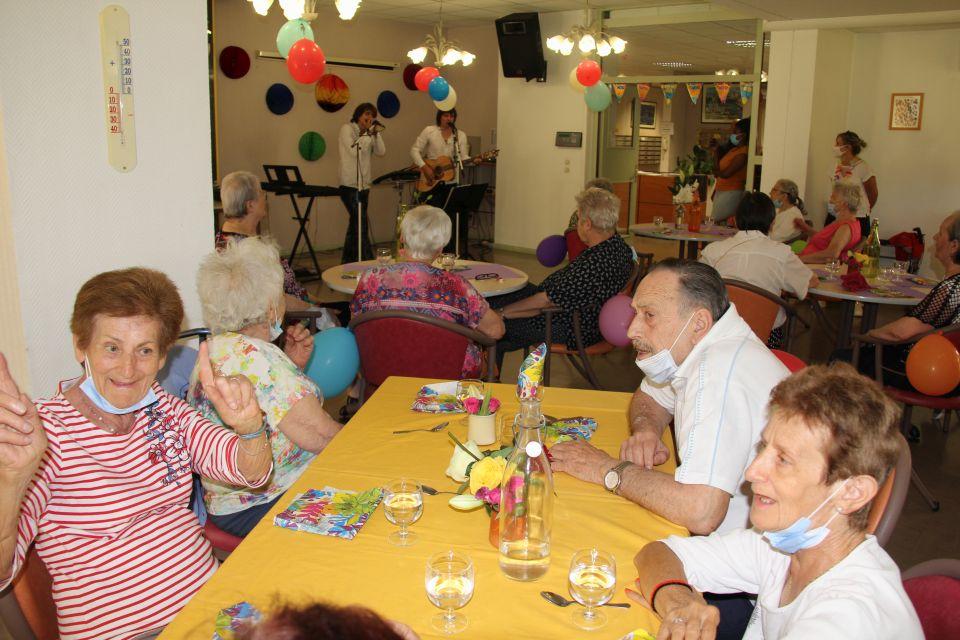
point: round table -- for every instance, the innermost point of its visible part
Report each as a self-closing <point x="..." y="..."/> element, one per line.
<point x="689" y="239"/>
<point x="344" y="277"/>
<point x="907" y="293"/>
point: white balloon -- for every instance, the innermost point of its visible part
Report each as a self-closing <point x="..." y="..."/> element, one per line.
<point x="447" y="103"/>
<point x="574" y="83"/>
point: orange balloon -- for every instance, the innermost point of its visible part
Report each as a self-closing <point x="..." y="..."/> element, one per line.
<point x="933" y="366"/>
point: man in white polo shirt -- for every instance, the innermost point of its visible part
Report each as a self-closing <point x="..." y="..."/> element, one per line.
<point x="705" y="370"/>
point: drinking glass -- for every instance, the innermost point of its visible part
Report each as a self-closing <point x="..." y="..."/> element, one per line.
<point x="448" y="261"/>
<point x="469" y="388"/>
<point x="900" y="268"/>
<point x="384" y="256"/>
<point x="658" y="221"/>
<point x="403" y="505"/>
<point x="592" y="581"/>
<point x="887" y="274"/>
<point x="449" y="581"/>
<point x="833" y="268"/>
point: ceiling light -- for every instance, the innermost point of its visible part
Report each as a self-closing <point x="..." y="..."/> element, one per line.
<point x="262" y="6"/>
<point x="293" y="9"/>
<point x="445" y="52"/>
<point x="673" y="64"/>
<point x="587" y="43"/>
<point x="618" y="44"/>
<point x="588" y="37"/>
<point x="347" y="8"/>
<point x="467" y="58"/>
<point x="745" y="44"/>
<point x="604" y="48"/>
<point x="418" y="55"/>
<point x="566" y="47"/>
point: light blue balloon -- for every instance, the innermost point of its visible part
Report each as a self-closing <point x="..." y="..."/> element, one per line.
<point x="290" y="32"/>
<point x="335" y="360"/>
<point x="439" y="88"/>
<point x="597" y="97"/>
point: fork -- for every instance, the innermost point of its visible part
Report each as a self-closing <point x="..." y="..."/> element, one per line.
<point x="430" y="430"/>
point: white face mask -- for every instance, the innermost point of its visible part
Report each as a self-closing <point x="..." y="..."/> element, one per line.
<point x="661" y="367"/>
<point x="838" y="151"/>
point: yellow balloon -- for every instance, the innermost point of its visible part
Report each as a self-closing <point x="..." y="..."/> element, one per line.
<point x="574" y="83"/>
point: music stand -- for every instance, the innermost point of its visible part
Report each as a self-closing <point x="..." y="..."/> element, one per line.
<point x="464" y="198"/>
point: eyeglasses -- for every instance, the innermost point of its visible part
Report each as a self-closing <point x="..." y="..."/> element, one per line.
<point x="486" y="276"/>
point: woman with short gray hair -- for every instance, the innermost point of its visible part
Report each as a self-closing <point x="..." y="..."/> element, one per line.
<point x="837" y="239"/>
<point x="241" y="294"/>
<point x="414" y="284"/>
<point x="785" y="195"/>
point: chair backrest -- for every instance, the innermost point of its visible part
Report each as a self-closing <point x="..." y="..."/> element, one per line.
<point x="407" y="343"/>
<point x="174" y="377"/>
<point x="888" y="503"/>
<point x="757" y="307"/>
<point x="32" y="592"/>
<point x="789" y="360"/>
<point x="934" y="590"/>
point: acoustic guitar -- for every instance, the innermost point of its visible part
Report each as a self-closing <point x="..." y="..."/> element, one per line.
<point x="444" y="169"/>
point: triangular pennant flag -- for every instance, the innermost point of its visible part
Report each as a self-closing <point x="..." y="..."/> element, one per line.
<point x="618" y="89"/>
<point x="668" y="89"/>
<point x="642" y="90"/>
<point x="694" y="89"/>
<point x="723" y="88"/>
<point x="746" y="91"/>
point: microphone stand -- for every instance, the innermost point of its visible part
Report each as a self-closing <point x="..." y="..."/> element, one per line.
<point x="458" y="162"/>
<point x="359" y="203"/>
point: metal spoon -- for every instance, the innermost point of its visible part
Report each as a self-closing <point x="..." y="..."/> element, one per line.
<point x="430" y="491"/>
<point x="560" y="601"/>
<point x="431" y="430"/>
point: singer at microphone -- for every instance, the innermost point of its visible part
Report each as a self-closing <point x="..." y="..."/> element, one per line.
<point x="357" y="143"/>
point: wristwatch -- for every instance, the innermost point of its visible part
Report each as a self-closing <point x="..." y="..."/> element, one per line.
<point x="613" y="478"/>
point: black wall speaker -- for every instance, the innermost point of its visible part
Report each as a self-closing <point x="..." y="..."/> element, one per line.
<point x="521" y="51"/>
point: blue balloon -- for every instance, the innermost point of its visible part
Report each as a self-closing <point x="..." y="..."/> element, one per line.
<point x="439" y="88"/>
<point x="335" y="360"/>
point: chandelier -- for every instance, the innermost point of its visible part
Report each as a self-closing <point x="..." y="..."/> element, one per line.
<point x="586" y="38"/>
<point x="445" y="52"/>
<point x="306" y="9"/>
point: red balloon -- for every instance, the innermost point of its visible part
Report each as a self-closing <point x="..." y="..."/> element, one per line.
<point x="933" y="366"/>
<point x="424" y="76"/>
<point x="588" y="73"/>
<point x="306" y="62"/>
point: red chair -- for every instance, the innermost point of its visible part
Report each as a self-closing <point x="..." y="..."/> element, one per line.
<point x="789" y="360"/>
<point x="758" y="308"/>
<point x="27" y="607"/>
<point x="934" y="590"/>
<point x="223" y="543"/>
<point x="407" y="343"/>
<point x="888" y="503"/>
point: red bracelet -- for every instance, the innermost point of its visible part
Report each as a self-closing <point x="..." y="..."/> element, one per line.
<point x="665" y="583"/>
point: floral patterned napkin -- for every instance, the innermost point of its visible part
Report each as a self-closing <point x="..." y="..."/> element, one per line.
<point x="440" y="397"/>
<point x="232" y="619"/>
<point x="330" y="512"/>
<point x="578" y="428"/>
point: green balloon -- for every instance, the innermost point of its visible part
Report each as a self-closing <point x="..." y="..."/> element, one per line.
<point x="290" y="32"/>
<point x="798" y="245"/>
<point x="597" y="96"/>
<point x="312" y="145"/>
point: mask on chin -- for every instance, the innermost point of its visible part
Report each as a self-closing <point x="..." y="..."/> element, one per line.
<point x="89" y="388"/>
<point x="275" y="329"/>
<point x="661" y="367"/>
<point x="799" y="535"/>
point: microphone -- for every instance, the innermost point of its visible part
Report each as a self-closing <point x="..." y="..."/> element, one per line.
<point x="376" y="126"/>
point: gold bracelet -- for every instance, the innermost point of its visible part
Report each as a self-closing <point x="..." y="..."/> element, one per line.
<point x="255" y="453"/>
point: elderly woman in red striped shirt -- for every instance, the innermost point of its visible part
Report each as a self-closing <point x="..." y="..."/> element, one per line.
<point x="98" y="477"/>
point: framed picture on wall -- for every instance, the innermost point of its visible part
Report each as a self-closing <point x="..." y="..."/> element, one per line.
<point x="714" y="111"/>
<point x="648" y="115"/>
<point x="906" y="111"/>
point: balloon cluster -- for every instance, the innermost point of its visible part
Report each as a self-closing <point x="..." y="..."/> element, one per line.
<point x="443" y="95"/>
<point x="305" y="60"/>
<point x="585" y="79"/>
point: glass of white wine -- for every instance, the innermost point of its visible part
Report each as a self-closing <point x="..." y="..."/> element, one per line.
<point x="403" y="505"/>
<point x="449" y="581"/>
<point x="833" y="268"/>
<point x="384" y="256"/>
<point x="592" y="582"/>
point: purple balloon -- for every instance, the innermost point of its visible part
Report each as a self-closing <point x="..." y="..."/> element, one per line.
<point x="615" y="317"/>
<point x="552" y="250"/>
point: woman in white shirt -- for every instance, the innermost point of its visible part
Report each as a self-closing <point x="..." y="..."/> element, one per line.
<point x="786" y="199"/>
<point x="361" y="136"/>
<point x="850" y="167"/>
<point x="831" y="439"/>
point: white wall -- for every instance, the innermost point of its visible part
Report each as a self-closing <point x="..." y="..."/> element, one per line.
<point x="72" y="215"/>
<point x="537" y="181"/>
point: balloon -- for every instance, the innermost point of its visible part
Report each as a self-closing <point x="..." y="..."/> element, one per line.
<point x="597" y="97"/>
<point x="588" y="73"/>
<point x="552" y="250"/>
<point x="305" y="61"/>
<point x="424" y="76"/>
<point x="933" y="365"/>
<point x="290" y="32"/>
<point x="574" y="83"/>
<point x="798" y="245"/>
<point x="334" y="362"/>
<point x="447" y="103"/>
<point x="616" y="314"/>
<point x="439" y="89"/>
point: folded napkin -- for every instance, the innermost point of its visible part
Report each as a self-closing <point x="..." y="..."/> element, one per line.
<point x="530" y="379"/>
<point x="233" y="619"/>
<point x="440" y="397"/>
<point x="579" y="428"/>
<point x="854" y="282"/>
<point x="330" y="512"/>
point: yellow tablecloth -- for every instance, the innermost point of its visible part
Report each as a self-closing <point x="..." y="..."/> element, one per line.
<point x="300" y="567"/>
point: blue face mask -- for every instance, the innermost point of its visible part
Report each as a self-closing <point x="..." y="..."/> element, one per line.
<point x="831" y="209"/>
<point x="275" y="329"/>
<point x="89" y="387"/>
<point x="778" y="203"/>
<point x="799" y="535"/>
<point x="734" y="139"/>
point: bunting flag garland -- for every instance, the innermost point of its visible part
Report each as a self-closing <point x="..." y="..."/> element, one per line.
<point x="723" y="88"/>
<point x="694" y="89"/>
<point x="746" y="91"/>
<point x="669" y="88"/>
<point x="618" y="89"/>
<point x="642" y="90"/>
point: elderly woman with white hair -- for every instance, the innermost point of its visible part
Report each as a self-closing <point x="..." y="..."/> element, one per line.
<point x="244" y="206"/>
<point x="598" y="274"/>
<point x="838" y="238"/>
<point x="414" y="284"/>
<point x="785" y="195"/>
<point x="241" y="292"/>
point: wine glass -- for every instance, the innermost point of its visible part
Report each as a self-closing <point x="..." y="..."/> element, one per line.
<point x="449" y="581"/>
<point x="384" y="256"/>
<point x="900" y="268"/>
<point x="658" y="221"/>
<point x="469" y="388"/>
<point x="833" y="268"/>
<point x="448" y="261"/>
<point x="592" y="581"/>
<point x="403" y="505"/>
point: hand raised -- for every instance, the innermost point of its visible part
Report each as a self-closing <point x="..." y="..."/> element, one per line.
<point x="299" y="345"/>
<point x="233" y="397"/>
<point x="22" y="439"/>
